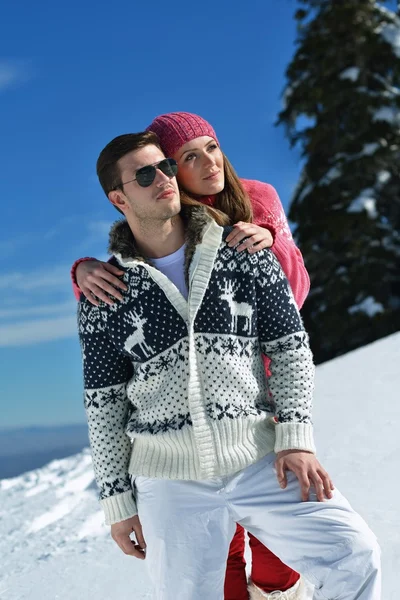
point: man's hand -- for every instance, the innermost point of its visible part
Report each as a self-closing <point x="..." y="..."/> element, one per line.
<point x="307" y="470"/>
<point x="120" y="533"/>
<point x="94" y="278"/>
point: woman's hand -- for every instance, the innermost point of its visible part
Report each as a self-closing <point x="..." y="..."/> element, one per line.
<point x="258" y="238"/>
<point x="94" y="278"/>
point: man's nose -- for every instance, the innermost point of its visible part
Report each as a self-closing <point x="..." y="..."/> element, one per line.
<point x="161" y="178"/>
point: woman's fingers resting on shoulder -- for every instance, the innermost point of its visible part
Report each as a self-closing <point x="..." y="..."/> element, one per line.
<point x="255" y="237"/>
<point x="97" y="278"/>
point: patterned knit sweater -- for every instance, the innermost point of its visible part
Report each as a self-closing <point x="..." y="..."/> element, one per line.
<point x="177" y="389"/>
<point x="268" y="213"/>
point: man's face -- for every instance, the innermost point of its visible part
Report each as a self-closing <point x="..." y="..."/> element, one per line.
<point x="158" y="202"/>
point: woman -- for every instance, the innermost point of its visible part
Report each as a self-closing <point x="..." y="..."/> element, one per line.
<point x="205" y="175"/>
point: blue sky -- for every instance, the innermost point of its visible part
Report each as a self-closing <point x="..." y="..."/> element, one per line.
<point x="73" y="76"/>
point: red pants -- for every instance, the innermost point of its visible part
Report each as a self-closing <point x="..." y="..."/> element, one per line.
<point x="267" y="571"/>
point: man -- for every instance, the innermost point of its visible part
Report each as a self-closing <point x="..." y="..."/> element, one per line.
<point x="183" y="431"/>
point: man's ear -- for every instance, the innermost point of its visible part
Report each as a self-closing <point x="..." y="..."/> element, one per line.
<point x="117" y="198"/>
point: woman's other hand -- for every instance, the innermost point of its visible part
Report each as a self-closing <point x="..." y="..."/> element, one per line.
<point x="255" y="238"/>
<point x="96" y="279"/>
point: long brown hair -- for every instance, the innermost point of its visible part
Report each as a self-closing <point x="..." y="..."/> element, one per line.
<point x="231" y="205"/>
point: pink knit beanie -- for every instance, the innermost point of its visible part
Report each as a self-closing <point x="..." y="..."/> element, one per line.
<point x="177" y="128"/>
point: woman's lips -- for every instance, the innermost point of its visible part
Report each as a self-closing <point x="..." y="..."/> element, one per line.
<point x="212" y="176"/>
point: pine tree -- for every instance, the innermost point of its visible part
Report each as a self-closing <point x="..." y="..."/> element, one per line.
<point x="342" y="108"/>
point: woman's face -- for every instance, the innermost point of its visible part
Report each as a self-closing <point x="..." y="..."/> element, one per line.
<point x="201" y="166"/>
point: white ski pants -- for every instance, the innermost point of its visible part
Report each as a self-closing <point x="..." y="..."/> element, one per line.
<point x="188" y="527"/>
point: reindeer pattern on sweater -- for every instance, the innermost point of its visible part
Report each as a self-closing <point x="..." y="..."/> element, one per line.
<point x="177" y="388"/>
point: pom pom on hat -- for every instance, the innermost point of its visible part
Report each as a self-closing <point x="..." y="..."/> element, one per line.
<point x="175" y="129"/>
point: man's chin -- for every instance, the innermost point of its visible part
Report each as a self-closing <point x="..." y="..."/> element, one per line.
<point x="172" y="211"/>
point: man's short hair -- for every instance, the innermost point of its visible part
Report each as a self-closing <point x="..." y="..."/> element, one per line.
<point x="107" y="168"/>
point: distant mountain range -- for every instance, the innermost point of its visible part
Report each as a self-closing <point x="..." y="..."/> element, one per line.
<point x="24" y="449"/>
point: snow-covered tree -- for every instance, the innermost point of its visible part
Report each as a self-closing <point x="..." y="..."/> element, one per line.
<point x="342" y="108"/>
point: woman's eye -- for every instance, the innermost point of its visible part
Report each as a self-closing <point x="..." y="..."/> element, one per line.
<point x="189" y="157"/>
<point x="212" y="147"/>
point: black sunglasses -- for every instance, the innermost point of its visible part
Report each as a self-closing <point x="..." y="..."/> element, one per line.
<point x="146" y="175"/>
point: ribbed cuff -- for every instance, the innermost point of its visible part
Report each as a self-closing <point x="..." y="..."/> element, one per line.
<point x="119" y="508"/>
<point x="76" y="289"/>
<point x="291" y="261"/>
<point x="272" y="231"/>
<point x="294" y="436"/>
<point x="280" y="248"/>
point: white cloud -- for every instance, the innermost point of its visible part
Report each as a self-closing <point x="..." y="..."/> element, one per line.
<point x="37" y="305"/>
<point x="15" y="244"/>
<point x="67" y="308"/>
<point x="86" y="232"/>
<point x="26" y="333"/>
<point x="100" y="228"/>
<point x="96" y="236"/>
<point x="25" y="318"/>
<point x="12" y="72"/>
<point x="19" y="243"/>
<point x="53" y="278"/>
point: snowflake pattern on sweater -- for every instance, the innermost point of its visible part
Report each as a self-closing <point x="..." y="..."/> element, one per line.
<point x="181" y="380"/>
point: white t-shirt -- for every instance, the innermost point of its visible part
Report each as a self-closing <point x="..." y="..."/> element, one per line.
<point x="173" y="267"/>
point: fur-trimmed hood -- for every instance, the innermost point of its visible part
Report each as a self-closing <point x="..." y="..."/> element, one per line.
<point x="122" y="241"/>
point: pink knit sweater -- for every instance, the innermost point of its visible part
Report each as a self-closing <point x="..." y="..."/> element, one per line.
<point x="268" y="212"/>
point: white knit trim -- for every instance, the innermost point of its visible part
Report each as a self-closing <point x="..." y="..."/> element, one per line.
<point x="198" y="414"/>
<point x="119" y="507"/>
<point x="212" y="236"/>
<point x="294" y="436"/>
<point x="200" y="277"/>
<point x="179" y="455"/>
<point x="128" y="262"/>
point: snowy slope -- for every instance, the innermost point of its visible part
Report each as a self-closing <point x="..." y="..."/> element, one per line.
<point x="53" y="544"/>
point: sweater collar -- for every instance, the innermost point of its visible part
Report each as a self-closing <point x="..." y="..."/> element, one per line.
<point x="207" y="200"/>
<point x="122" y="242"/>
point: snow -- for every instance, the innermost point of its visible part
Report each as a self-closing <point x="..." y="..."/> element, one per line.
<point x="369" y="149"/>
<point x="305" y="192"/>
<point x="54" y="545"/>
<point x="383" y="177"/>
<point x="368" y="306"/>
<point x="391" y="33"/>
<point x="386" y="11"/>
<point x="365" y="201"/>
<point x="386" y="113"/>
<point x="351" y="73"/>
<point x="290" y="89"/>
<point x="390" y="90"/>
<point x="341" y="270"/>
<point x="333" y="173"/>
